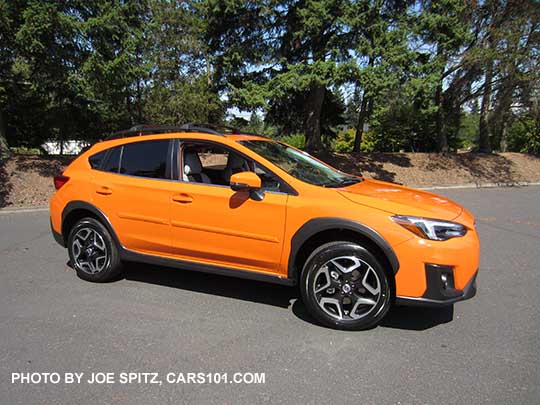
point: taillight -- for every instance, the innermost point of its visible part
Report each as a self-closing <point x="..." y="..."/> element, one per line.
<point x="59" y="181"/>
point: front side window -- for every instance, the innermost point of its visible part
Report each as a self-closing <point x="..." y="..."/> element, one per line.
<point x="145" y="159"/>
<point x="214" y="164"/>
<point x="300" y="165"/>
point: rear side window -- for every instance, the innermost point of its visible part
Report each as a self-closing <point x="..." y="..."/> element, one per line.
<point x="95" y="160"/>
<point x="146" y="159"/>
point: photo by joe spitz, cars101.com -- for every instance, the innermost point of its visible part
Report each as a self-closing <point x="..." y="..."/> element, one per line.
<point x="213" y="199"/>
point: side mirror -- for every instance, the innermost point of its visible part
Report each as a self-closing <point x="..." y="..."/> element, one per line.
<point x="247" y="181"/>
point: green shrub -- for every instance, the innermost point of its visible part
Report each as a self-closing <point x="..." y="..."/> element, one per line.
<point x="344" y="140"/>
<point x="369" y="142"/>
<point x="468" y="131"/>
<point x="524" y="136"/>
<point x="296" y="140"/>
<point x="23" y="150"/>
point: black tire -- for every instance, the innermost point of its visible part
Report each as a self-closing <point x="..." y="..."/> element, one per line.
<point x="367" y="277"/>
<point x="107" y="269"/>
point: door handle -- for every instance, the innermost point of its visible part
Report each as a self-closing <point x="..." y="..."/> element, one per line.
<point x="182" y="198"/>
<point x="104" y="190"/>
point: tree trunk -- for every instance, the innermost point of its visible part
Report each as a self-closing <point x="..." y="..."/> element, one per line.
<point x="442" y="140"/>
<point x="139" y="102"/>
<point x="5" y="153"/>
<point x="313" y="117"/>
<point x="363" y="114"/>
<point x="209" y="86"/>
<point x="362" y="117"/>
<point x="502" y="114"/>
<point x="504" y="137"/>
<point x="483" y="129"/>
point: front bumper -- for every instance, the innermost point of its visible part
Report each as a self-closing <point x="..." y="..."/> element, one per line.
<point x="440" y="289"/>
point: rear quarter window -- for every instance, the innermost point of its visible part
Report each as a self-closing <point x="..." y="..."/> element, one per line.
<point x="96" y="160"/>
<point x="107" y="160"/>
<point x="112" y="164"/>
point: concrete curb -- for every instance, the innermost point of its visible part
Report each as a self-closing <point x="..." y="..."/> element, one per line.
<point x="480" y="185"/>
<point x="21" y="210"/>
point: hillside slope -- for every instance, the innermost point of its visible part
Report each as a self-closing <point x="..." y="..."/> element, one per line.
<point x="27" y="180"/>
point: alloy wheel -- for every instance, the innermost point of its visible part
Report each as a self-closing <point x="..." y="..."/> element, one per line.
<point x="347" y="288"/>
<point x="89" y="251"/>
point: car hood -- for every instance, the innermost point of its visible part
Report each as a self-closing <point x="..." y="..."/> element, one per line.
<point x="401" y="200"/>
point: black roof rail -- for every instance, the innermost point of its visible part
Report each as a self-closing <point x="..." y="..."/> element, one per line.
<point x="228" y="129"/>
<point x="252" y="133"/>
<point x="205" y="128"/>
<point x="139" y="130"/>
<point x="214" y="129"/>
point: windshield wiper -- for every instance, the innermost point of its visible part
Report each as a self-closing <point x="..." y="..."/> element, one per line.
<point x="343" y="183"/>
<point x="350" y="182"/>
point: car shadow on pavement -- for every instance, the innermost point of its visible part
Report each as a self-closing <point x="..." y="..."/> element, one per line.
<point x="213" y="284"/>
<point x="416" y="318"/>
<point x="407" y="318"/>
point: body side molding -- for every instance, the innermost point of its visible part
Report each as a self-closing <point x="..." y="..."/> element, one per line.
<point x="129" y="255"/>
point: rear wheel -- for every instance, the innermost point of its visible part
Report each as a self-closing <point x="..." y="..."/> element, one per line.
<point x="344" y="286"/>
<point x="92" y="251"/>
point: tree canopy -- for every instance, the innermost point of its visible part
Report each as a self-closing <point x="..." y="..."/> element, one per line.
<point x="353" y="75"/>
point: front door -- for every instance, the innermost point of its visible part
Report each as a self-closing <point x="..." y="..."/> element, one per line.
<point x="212" y="223"/>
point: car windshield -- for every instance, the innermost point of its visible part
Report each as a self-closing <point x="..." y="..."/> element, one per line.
<point x="300" y="164"/>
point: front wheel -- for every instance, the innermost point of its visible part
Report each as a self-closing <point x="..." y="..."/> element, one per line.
<point x="344" y="286"/>
<point x="92" y="251"/>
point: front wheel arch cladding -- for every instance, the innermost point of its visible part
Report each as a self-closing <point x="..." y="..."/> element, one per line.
<point x="319" y="225"/>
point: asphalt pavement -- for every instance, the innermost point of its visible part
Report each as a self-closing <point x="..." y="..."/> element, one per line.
<point x="164" y="321"/>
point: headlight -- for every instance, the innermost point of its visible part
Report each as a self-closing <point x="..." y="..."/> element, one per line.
<point x="430" y="228"/>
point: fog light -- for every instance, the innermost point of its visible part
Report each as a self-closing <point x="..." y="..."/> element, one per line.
<point x="440" y="282"/>
<point x="444" y="279"/>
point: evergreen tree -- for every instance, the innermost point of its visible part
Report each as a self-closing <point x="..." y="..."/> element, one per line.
<point x="272" y="50"/>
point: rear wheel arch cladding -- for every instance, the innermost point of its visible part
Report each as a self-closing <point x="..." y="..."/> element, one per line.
<point x="76" y="210"/>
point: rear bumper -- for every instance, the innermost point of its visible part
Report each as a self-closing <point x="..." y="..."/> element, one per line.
<point x="57" y="236"/>
<point x="439" y="293"/>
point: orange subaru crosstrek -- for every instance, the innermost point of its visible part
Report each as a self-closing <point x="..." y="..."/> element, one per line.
<point x="248" y="206"/>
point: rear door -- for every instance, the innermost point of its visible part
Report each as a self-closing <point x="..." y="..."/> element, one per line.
<point x="133" y="188"/>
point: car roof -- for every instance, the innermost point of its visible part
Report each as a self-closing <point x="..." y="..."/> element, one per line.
<point x="195" y="136"/>
<point x="249" y="137"/>
<point x="188" y="131"/>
